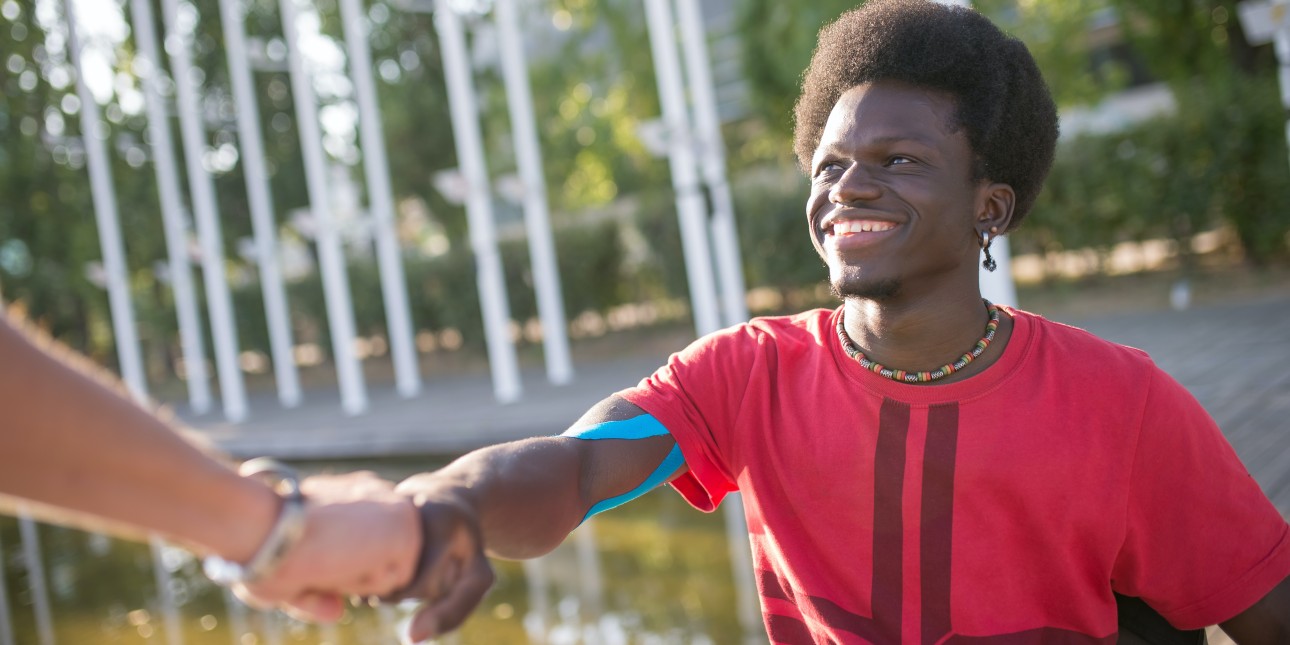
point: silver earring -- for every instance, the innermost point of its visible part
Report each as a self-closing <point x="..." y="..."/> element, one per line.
<point x="988" y="263"/>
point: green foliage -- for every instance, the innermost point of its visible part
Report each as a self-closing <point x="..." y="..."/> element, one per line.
<point x="778" y="39"/>
<point x="1191" y="38"/>
<point x="1057" y="33"/>
<point x="590" y="95"/>
<point x="773" y="234"/>
<point x="1220" y="160"/>
<point x="443" y="291"/>
<point x="1242" y="120"/>
<point x="47" y="231"/>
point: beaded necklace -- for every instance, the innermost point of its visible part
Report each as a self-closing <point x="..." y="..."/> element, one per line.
<point x="922" y="377"/>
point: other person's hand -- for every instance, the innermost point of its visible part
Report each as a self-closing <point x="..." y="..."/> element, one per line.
<point x="361" y="539"/>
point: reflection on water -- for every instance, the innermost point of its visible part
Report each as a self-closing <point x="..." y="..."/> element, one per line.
<point x="651" y="572"/>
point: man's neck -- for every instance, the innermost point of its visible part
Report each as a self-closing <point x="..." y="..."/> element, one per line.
<point x="923" y="333"/>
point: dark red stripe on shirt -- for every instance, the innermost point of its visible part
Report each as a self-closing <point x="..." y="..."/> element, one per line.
<point x="788" y="630"/>
<point x="770" y="586"/>
<point x="822" y="610"/>
<point x="888" y="518"/>
<point x="937" y="530"/>
<point x="888" y="543"/>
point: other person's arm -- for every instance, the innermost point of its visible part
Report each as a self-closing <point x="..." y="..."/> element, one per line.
<point x="78" y="450"/>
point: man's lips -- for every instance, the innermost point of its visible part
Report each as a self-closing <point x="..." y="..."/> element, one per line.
<point x="852" y="226"/>
<point x="856" y="232"/>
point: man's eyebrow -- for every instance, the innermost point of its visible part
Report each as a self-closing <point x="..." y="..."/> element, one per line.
<point x="901" y="138"/>
<point x="889" y="139"/>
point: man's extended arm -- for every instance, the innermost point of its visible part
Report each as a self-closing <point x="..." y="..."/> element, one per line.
<point x="517" y="500"/>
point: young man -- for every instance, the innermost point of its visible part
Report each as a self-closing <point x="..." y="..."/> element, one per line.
<point x="917" y="466"/>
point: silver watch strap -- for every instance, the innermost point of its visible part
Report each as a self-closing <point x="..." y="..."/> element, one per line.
<point x="286" y="530"/>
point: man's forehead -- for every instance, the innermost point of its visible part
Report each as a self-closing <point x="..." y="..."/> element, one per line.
<point x="894" y="105"/>
<point x="887" y="113"/>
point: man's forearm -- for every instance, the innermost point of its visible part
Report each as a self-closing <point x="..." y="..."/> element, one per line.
<point x="520" y="500"/>
<point x="526" y="495"/>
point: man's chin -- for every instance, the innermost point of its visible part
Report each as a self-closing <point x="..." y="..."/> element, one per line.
<point x="845" y="288"/>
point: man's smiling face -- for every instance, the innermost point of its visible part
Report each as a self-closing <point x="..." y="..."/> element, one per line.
<point x="892" y="198"/>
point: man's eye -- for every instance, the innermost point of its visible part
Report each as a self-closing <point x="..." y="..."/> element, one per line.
<point x="830" y="168"/>
<point x="899" y="160"/>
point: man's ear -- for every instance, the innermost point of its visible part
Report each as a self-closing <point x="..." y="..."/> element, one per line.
<point x="995" y="202"/>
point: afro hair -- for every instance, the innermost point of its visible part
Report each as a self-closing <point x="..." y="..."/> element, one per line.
<point x="1002" y="101"/>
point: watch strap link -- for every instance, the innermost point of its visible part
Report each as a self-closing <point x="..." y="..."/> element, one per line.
<point x="285" y="533"/>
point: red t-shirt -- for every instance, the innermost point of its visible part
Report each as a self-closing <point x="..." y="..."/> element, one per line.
<point x="1003" y="508"/>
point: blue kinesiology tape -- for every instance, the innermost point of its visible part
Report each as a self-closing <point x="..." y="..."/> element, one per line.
<point x="638" y="427"/>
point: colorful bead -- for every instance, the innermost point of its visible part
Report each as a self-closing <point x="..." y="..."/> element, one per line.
<point x="922" y="377"/>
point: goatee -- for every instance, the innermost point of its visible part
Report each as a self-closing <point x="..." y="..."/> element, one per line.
<point x="865" y="290"/>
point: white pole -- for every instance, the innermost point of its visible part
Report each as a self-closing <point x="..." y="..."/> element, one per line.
<point x="379" y="198"/>
<point x="148" y="60"/>
<point x="264" y="227"/>
<point x="161" y="575"/>
<point x="479" y="207"/>
<point x="1282" y="46"/>
<point x="387" y="621"/>
<point x="546" y="274"/>
<point x="748" y="606"/>
<point x="591" y="585"/>
<point x="730" y="269"/>
<point x="685" y="181"/>
<point x="109" y="226"/>
<point x="535" y="622"/>
<point x="236" y="612"/>
<point x="998" y="286"/>
<point x="30" y="536"/>
<point x="331" y="254"/>
<point x="272" y="621"/>
<point x="206" y="213"/>
<point x="119" y="298"/>
<point x="725" y="236"/>
<point x="6" y="620"/>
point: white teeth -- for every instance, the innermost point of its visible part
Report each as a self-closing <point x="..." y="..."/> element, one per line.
<point x="860" y="226"/>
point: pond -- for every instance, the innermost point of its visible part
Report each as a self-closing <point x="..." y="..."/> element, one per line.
<point x="651" y="572"/>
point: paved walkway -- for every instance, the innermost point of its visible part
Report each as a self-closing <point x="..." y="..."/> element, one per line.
<point x="1235" y="359"/>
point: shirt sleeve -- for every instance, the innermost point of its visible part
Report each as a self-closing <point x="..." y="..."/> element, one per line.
<point x="697" y="396"/>
<point x="1203" y="543"/>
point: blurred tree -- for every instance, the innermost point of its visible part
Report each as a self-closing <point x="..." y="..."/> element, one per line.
<point x="1192" y="38"/>
<point x="778" y="40"/>
<point x="48" y="239"/>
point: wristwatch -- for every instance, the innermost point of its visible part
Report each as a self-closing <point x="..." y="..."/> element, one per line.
<point x="286" y="531"/>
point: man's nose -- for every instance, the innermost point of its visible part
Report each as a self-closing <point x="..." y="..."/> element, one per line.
<point x="857" y="184"/>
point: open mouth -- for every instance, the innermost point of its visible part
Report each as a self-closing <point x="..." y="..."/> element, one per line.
<point x="850" y="227"/>
<point x="846" y="234"/>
